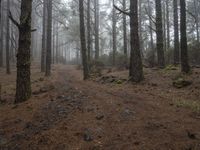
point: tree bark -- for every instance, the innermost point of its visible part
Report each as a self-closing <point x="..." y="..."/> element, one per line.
<point x="184" y="48"/>
<point x="136" y="67"/>
<point x="196" y="19"/>
<point x="159" y="34"/>
<point x="43" y="52"/>
<point x="49" y="38"/>
<point x="125" y="32"/>
<point x="1" y="35"/>
<point x="96" y="9"/>
<point x="176" y="34"/>
<point x="8" y="39"/>
<point x="114" y="34"/>
<point x="88" y="30"/>
<point x="168" y="24"/>
<point x="23" y="86"/>
<point x="83" y="41"/>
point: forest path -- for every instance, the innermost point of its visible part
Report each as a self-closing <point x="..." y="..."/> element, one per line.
<point x="75" y="114"/>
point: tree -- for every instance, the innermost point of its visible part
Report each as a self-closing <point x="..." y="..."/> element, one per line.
<point x="49" y="38"/>
<point x="125" y="31"/>
<point x="114" y="34"/>
<point x="23" y="85"/>
<point x="184" y="48"/>
<point x="159" y="35"/>
<point x="1" y="35"/>
<point x="176" y="33"/>
<point x="43" y="36"/>
<point x="83" y="41"/>
<point x="8" y="39"/>
<point x="88" y="29"/>
<point x="136" y="67"/>
<point x="96" y="12"/>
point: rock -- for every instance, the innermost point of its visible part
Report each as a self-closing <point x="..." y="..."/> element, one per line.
<point x="99" y="117"/>
<point x="41" y="79"/>
<point x="87" y="136"/>
<point x="191" y="135"/>
<point x="3" y="141"/>
<point x="180" y="83"/>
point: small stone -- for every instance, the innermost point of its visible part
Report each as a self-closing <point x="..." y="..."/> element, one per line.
<point x="99" y="117"/>
<point x="87" y="136"/>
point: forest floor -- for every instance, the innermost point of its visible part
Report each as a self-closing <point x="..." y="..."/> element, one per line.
<point x="66" y="113"/>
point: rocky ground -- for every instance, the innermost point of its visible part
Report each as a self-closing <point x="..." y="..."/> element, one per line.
<point x="105" y="113"/>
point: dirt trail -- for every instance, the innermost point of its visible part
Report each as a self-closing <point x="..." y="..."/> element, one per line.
<point x="87" y="115"/>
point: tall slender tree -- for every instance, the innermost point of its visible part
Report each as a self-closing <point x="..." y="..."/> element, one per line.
<point x="83" y="41"/>
<point x="184" y="48"/>
<point x="136" y="67"/>
<point x="125" y="31"/>
<point x="114" y="33"/>
<point x="23" y="85"/>
<point x="176" y="34"/>
<point x="43" y="51"/>
<point x="8" y="39"/>
<point x="1" y="35"/>
<point x="96" y="12"/>
<point x="159" y="34"/>
<point x="89" y="29"/>
<point x="49" y="38"/>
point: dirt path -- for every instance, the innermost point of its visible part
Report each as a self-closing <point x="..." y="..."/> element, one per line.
<point x="87" y="115"/>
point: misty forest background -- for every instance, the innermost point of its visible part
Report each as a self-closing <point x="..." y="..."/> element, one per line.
<point x="117" y="33"/>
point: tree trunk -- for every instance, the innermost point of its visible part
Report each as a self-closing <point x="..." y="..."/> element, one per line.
<point x="184" y="49"/>
<point x="196" y="19"/>
<point x="114" y="34"/>
<point x="57" y="43"/>
<point x="43" y="54"/>
<point x="1" y="35"/>
<point x="8" y="39"/>
<point x="23" y="86"/>
<point x="168" y="24"/>
<point x="125" y="32"/>
<point x="176" y="34"/>
<point x="152" y="54"/>
<point x="96" y="9"/>
<point x="83" y="41"/>
<point x="140" y="27"/>
<point x="88" y="30"/>
<point x="49" y="38"/>
<point x="136" y="68"/>
<point x="159" y="34"/>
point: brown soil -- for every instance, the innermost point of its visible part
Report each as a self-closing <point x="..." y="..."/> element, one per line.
<point x="66" y="113"/>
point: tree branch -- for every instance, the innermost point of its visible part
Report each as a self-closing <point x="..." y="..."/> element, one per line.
<point x="124" y="12"/>
<point x="13" y="20"/>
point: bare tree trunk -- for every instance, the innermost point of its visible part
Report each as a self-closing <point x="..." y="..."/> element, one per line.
<point x="152" y="55"/>
<point x="168" y="24"/>
<point x="49" y="38"/>
<point x="196" y="19"/>
<point x="23" y="86"/>
<point x="159" y="33"/>
<point x="83" y="41"/>
<point x="57" y="49"/>
<point x="176" y="34"/>
<point x="114" y="34"/>
<point x="96" y="9"/>
<point x="43" y="54"/>
<point x="88" y="30"/>
<point x="1" y="35"/>
<point x="8" y="39"/>
<point x="125" y="32"/>
<point x="140" y="27"/>
<point x="184" y="48"/>
<point x="136" y="67"/>
<point x="53" y="43"/>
